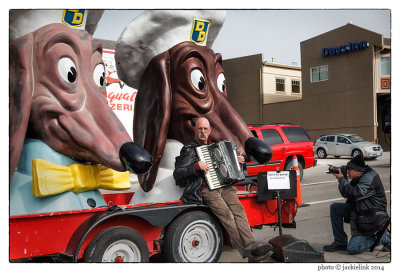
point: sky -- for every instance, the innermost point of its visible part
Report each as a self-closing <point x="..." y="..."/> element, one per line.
<point x="276" y="33"/>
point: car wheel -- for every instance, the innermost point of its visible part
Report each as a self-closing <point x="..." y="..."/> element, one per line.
<point x="193" y="237"/>
<point x="356" y="152"/>
<point x="289" y="166"/>
<point x="116" y="245"/>
<point x="321" y="153"/>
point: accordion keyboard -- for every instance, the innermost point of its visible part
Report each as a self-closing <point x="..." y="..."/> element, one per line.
<point x="211" y="175"/>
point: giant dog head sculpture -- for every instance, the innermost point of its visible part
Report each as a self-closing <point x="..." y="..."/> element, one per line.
<point x="58" y="95"/>
<point x="178" y="86"/>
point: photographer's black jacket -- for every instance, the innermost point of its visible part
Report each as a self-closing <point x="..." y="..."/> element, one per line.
<point x="368" y="200"/>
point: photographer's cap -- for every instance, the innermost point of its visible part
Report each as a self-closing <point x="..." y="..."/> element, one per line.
<point x="357" y="163"/>
<point x="156" y="31"/>
<point x="24" y="21"/>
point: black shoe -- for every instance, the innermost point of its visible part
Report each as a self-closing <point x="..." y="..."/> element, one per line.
<point x="334" y="247"/>
<point x="262" y="248"/>
<point x="249" y="248"/>
<point x="386" y="247"/>
<point x="256" y="249"/>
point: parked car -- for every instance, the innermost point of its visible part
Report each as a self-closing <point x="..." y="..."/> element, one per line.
<point x="285" y="140"/>
<point x="346" y="145"/>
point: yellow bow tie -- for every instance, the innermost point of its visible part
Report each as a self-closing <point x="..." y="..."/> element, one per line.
<point x="50" y="179"/>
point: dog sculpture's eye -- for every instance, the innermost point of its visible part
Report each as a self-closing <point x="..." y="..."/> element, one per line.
<point x="67" y="70"/>
<point x="197" y="79"/>
<point x="221" y="82"/>
<point x="99" y="75"/>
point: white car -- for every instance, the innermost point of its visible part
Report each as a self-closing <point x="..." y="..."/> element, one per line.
<point x="345" y="145"/>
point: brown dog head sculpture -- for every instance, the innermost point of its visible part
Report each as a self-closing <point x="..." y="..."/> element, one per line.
<point x="58" y="95"/>
<point x="178" y="86"/>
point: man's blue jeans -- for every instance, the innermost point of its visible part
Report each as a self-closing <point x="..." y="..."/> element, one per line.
<point x="357" y="244"/>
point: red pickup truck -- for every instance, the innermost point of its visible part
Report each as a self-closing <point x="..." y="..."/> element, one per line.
<point x="285" y="140"/>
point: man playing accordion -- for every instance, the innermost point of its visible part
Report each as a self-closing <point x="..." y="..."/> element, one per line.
<point x="190" y="173"/>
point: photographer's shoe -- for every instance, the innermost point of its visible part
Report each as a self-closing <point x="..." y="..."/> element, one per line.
<point x="386" y="247"/>
<point x="334" y="247"/>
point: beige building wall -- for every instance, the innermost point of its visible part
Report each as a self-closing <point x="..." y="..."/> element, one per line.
<point x="274" y="71"/>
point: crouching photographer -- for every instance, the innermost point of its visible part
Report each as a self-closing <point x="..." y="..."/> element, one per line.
<point x="365" y="209"/>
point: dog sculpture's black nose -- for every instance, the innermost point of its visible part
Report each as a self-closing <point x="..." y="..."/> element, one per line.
<point x="259" y="150"/>
<point x="135" y="158"/>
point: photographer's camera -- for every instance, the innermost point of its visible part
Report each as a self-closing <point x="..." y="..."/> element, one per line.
<point x="335" y="170"/>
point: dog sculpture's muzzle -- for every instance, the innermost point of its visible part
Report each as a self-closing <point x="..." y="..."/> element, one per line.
<point x="259" y="150"/>
<point x="135" y="158"/>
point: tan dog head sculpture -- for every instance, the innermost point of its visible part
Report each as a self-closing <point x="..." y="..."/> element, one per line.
<point x="58" y="95"/>
<point x="178" y="86"/>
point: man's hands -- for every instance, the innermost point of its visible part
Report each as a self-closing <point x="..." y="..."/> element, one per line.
<point x="203" y="166"/>
<point x="240" y="159"/>
<point x="339" y="175"/>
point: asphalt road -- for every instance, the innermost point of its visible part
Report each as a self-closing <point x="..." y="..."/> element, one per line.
<point x="319" y="190"/>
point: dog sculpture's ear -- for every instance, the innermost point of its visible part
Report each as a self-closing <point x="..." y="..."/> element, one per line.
<point x="21" y="88"/>
<point x="152" y="114"/>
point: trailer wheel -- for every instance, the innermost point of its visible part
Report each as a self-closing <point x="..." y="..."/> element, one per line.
<point x="117" y="244"/>
<point x="193" y="237"/>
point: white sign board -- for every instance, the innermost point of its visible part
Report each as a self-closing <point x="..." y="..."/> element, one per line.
<point x="278" y="180"/>
<point x="121" y="97"/>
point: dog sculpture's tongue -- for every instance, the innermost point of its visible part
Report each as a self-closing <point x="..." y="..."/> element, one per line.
<point x="135" y="158"/>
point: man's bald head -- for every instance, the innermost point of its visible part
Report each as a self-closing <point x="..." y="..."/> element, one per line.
<point x="202" y="130"/>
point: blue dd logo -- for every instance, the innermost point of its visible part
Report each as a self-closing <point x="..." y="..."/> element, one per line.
<point x="199" y="31"/>
<point x="73" y="17"/>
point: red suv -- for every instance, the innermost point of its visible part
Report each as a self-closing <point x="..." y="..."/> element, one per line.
<point x="285" y="140"/>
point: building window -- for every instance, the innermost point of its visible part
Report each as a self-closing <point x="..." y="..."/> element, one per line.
<point x="319" y="73"/>
<point x="385" y="66"/>
<point x="295" y="86"/>
<point x="280" y="84"/>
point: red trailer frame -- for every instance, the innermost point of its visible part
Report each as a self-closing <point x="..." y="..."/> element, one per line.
<point x="66" y="235"/>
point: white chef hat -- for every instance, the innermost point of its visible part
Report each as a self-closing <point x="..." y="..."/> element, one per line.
<point x="24" y="21"/>
<point x="155" y="31"/>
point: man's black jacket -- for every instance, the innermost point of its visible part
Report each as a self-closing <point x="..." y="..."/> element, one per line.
<point x="368" y="201"/>
<point x="185" y="174"/>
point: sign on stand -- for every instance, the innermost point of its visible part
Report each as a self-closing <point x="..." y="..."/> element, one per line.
<point x="278" y="180"/>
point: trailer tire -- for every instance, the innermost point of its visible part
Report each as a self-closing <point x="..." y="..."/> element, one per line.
<point x="117" y="244"/>
<point x="193" y="237"/>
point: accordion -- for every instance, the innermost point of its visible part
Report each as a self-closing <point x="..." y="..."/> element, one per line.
<point x="221" y="157"/>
